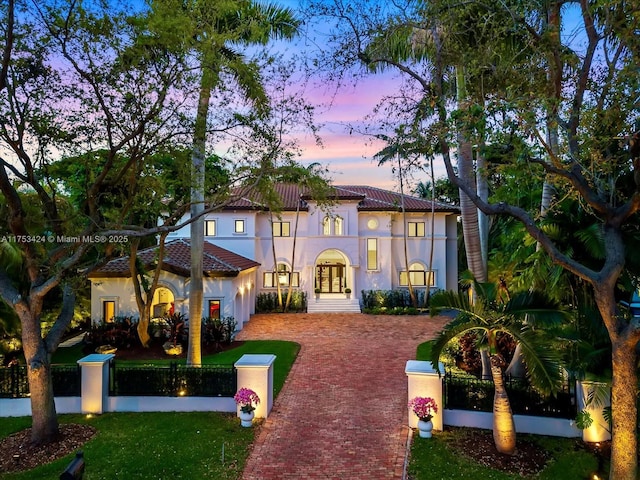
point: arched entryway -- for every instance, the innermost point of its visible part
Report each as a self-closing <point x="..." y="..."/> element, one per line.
<point x="163" y="302"/>
<point x="331" y="272"/>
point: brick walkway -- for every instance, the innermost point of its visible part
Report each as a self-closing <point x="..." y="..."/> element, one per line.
<point x="342" y="412"/>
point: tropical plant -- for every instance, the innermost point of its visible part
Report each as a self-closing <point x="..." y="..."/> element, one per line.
<point x="524" y="317"/>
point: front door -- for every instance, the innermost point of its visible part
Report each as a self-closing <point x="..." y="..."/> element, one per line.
<point x="330" y="278"/>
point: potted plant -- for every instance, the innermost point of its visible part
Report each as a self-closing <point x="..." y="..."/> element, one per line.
<point x="424" y="408"/>
<point x="348" y="292"/>
<point x="317" y="291"/>
<point x="246" y="399"/>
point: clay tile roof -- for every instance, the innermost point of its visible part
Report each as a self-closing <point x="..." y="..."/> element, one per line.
<point x="217" y="262"/>
<point x="369" y="198"/>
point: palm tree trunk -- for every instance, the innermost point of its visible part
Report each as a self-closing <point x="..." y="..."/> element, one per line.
<point x="504" y="428"/>
<point x="194" y="353"/>
<point x="293" y="257"/>
<point x="275" y="263"/>
<point x="412" y="294"/>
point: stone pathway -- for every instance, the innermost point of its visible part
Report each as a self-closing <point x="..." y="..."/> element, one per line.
<point x="342" y="412"/>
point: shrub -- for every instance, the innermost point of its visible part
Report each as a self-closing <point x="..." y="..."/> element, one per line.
<point x="218" y="331"/>
<point x="268" y="302"/>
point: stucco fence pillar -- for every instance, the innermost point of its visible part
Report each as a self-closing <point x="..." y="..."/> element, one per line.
<point x="94" y="382"/>
<point x="255" y="371"/>
<point x="593" y="398"/>
<point x="424" y="381"/>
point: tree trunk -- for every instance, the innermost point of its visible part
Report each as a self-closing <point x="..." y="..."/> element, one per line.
<point x="194" y="353"/>
<point x="624" y="441"/>
<point x="412" y="294"/>
<point x="275" y="265"/>
<point x="293" y="257"/>
<point x="504" y="428"/>
<point x="44" y="426"/>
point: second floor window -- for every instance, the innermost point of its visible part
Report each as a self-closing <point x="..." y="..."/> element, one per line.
<point x="281" y="229"/>
<point x="239" y="226"/>
<point x="372" y="253"/>
<point x="210" y="228"/>
<point x="415" y="229"/>
<point x="332" y="225"/>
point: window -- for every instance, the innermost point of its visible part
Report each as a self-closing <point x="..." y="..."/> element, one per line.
<point x="336" y="224"/>
<point x="283" y="276"/>
<point x="239" y="226"/>
<point x="418" y="275"/>
<point x="372" y="253"/>
<point x="415" y="229"/>
<point x="214" y="309"/>
<point x="210" y="228"/>
<point x="281" y="229"/>
<point x="326" y="225"/>
<point x="108" y="310"/>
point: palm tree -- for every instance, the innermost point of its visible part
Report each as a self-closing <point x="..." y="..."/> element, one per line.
<point x="213" y="29"/>
<point x="491" y="314"/>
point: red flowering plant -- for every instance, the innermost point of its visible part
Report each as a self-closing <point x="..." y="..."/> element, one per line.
<point x="423" y="407"/>
<point x="246" y="398"/>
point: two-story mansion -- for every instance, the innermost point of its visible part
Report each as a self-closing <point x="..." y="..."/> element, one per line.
<point x="355" y="244"/>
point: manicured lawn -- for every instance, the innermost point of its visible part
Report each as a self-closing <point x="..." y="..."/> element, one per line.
<point x="436" y="459"/>
<point x="147" y="446"/>
<point x="162" y="445"/>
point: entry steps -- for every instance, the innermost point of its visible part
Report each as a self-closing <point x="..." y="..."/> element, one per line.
<point x="330" y="304"/>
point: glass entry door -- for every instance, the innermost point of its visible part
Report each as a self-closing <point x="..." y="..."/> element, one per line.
<point x="330" y="278"/>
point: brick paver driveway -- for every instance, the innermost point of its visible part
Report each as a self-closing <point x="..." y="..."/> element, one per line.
<point x="342" y="412"/>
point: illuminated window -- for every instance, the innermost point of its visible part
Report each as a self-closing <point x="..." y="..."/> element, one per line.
<point x="332" y="226"/>
<point x="108" y="310"/>
<point x="283" y="276"/>
<point x="415" y="229"/>
<point x="418" y="275"/>
<point x="210" y="228"/>
<point x="239" y="226"/>
<point x="372" y="253"/>
<point x="326" y="225"/>
<point x="338" y="226"/>
<point x="214" y="309"/>
<point x="281" y="229"/>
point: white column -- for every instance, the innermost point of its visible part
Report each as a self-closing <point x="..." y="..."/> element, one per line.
<point x="95" y="382"/>
<point x="424" y="381"/>
<point x="255" y="371"/>
<point x="600" y="394"/>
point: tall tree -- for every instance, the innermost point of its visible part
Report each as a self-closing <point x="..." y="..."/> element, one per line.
<point x="69" y="83"/>
<point x="214" y="30"/>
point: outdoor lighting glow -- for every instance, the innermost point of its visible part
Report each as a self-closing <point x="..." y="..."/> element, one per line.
<point x="182" y="393"/>
<point x="595" y="477"/>
<point x="89" y="415"/>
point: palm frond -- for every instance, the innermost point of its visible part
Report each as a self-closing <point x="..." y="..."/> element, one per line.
<point x="460" y="325"/>
<point x="542" y="360"/>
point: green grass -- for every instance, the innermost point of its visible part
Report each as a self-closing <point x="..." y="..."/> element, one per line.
<point x="144" y="446"/>
<point x="436" y="459"/>
<point x="162" y="445"/>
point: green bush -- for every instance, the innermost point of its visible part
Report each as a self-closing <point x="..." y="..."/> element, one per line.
<point x="391" y="302"/>
<point x="268" y="302"/>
